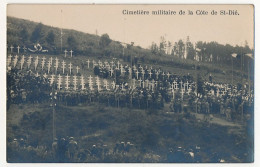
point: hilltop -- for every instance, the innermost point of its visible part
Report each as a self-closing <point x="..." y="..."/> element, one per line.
<point x="26" y="33"/>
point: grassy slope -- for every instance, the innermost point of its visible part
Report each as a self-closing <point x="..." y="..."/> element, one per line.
<point x="150" y="131"/>
<point x="220" y="73"/>
<point x="219" y="76"/>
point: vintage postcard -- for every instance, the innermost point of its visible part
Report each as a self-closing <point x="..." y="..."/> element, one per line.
<point x="130" y="83"/>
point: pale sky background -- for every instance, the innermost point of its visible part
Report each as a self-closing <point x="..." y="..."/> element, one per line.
<point x="143" y="30"/>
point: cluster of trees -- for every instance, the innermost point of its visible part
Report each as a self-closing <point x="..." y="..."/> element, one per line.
<point x="26" y="33"/>
<point x="212" y="52"/>
<point x="52" y="40"/>
<point x="26" y="37"/>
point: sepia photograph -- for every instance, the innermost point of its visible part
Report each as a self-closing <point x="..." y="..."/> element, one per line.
<point x="88" y="83"/>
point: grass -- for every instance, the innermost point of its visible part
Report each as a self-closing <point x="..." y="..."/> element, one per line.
<point x="151" y="132"/>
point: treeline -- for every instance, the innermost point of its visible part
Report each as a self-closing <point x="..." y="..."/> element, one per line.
<point x="27" y="33"/>
<point x="211" y="52"/>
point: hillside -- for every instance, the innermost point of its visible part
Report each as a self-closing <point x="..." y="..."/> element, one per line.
<point x="20" y="32"/>
<point x="153" y="133"/>
<point x="174" y="113"/>
<point x="85" y="43"/>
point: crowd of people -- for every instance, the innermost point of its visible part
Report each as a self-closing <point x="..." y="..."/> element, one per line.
<point x="228" y="101"/>
<point x="67" y="149"/>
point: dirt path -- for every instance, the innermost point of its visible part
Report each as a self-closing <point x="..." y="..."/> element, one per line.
<point x="215" y="120"/>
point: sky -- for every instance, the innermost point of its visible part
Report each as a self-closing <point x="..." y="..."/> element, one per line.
<point x="145" y="29"/>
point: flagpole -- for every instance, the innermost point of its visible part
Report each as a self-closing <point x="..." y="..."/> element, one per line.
<point x="53" y="114"/>
<point x="61" y="34"/>
<point x="232" y="73"/>
<point x="196" y="85"/>
<point x="241" y="64"/>
<point x="249" y="78"/>
<point x="131" y="80"/>
<point x="241" y="68"/>
<point x="115" y="74"/>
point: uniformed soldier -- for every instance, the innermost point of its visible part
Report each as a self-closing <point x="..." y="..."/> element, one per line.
<point x="94" y="150"/>
<point x="15" y="144"/>
<point x="179" y="155"/>
<point x="55" y="148"/>
<point x="62" y="148"/>
<point x="22" y="143"/>
<point x="72" y="148"/>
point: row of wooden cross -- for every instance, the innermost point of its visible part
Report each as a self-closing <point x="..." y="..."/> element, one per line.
<point x="81" y="80"/>
<point x="18" y="48"/>
<point x="63" y="65"/>
<point x="60" y="79"/>
<point x="24" y="50"/>
<point x="65" y="82"/>
<point x="71" y="51"/>
<point x="142" y="82"/>
<point x="42" y="61"/>
<point x="118" y="66"/>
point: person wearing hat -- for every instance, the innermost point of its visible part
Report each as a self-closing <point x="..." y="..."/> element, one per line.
<point x="170" y="155"/>
<point x="94" y="150"/>
<point x="22" y="143"/>
<point x="73" y="145"/>
<point x="179" y="155"/>
<point x="210" y="78"/>
<point x="54" y="147"/>
<point x="62" y="148"/>
<point x="15" y="143"/>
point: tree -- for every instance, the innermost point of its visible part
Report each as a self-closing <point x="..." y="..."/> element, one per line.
<point x="246" y="48"/>
<point x="24" y="35"/>
<point x="163" y="44"/>
<point x="169" y="47"/>
<point x="181" y="46"/>
<point x="37" y="33"/>
<point x="50" y="38"/>
<point x="104" y="41"/>
<point x="190" y="50"/>
<point x="175" y="51"/>
<point x="154" y="48"/>
<point x="72" y="42"/>
<point x="201" y="46"/>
